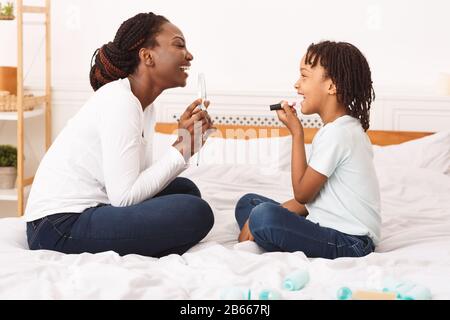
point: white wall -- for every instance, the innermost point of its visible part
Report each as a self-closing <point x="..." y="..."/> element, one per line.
<point x="249" y="50"/>
<point x="255" y="45"/>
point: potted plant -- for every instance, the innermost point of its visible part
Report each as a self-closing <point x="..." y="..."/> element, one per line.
<point x="7" y="11"/>
<point x="8" y="166"/>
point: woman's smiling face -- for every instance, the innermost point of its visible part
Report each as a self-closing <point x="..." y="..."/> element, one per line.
<point x="171" y="58"/>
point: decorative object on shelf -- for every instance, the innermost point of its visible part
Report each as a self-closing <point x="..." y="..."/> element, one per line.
<point x="7" y="11"/>
<point x="8" y="91"/>
<point x="8" y="166"/>
<point x="8" y="102"/>
<point x="8" y="79"/>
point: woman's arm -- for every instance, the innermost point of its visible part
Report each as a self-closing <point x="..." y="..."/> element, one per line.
<point x="122" y="149"/>
<point x="121" y="146"/>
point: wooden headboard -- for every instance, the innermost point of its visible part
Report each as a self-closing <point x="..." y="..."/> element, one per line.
<point x="378" y="137"/>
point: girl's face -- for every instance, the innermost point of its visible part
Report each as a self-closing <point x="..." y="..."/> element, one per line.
<point x="313" y="86"/>
<point x="171" y="58"/>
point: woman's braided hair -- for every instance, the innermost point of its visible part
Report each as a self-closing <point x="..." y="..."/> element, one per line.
<point x="349" y="70"/>
<point x="119" y="58"/>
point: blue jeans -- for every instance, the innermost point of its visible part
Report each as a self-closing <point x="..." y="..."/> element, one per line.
<point x="172" y="221"/>
<point x="278" y="229"/>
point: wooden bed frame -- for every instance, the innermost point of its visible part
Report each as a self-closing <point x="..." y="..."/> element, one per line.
<point x="378" y="137"/>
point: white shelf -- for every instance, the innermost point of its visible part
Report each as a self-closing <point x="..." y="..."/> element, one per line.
<point x="13" y="116"/>
<point x="11" y="194"/>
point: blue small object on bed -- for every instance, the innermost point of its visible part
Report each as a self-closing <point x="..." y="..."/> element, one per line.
<point x="296" y="280"/>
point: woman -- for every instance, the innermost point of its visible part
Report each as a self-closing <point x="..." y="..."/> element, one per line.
<point x="96" y="189"/>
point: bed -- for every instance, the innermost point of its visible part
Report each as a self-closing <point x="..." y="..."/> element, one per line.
<point x="414" y="174"/>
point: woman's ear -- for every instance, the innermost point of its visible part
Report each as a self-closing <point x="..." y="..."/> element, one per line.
<point x="145" y="55"/>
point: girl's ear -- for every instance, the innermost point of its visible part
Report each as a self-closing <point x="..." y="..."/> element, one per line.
<point x="145" y="55"/>
<point x="332" y="88"/>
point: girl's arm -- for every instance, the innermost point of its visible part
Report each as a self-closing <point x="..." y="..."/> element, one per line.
<point x="306" y="182"/>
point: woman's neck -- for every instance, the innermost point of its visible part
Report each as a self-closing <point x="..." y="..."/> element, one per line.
<point x="143" y="89"/>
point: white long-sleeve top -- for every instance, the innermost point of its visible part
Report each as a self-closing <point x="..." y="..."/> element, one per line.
<point x="102" y="156"/>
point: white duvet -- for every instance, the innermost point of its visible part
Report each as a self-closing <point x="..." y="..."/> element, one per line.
<point x="415" y="247"/>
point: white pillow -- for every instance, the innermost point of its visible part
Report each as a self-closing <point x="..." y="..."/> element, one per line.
<point x="160" y="144"/>
<point x="431" y="152"/>
<point x="273" y="153"/>
<point x="285" y="163"/>
<point x="270" y="153"/>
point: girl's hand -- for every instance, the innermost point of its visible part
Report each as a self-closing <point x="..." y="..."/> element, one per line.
<point x="295" y="207"/>
<point x="289" y="118"/>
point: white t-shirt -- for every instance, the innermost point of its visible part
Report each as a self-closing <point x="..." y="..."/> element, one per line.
<point x="349" y="201"/>
<point x="102" y="156"/>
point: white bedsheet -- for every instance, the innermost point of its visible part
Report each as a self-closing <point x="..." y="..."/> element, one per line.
<point x="415" y="247"/>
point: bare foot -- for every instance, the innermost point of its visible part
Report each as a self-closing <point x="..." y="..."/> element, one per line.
<point x="245" y="234"/>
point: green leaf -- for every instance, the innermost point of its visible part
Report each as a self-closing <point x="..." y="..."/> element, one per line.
<point x="8" y="156"/>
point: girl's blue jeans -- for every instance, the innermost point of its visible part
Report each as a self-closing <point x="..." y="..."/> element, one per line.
<point x="278" y="229"/>
<point x="172" y="221"/>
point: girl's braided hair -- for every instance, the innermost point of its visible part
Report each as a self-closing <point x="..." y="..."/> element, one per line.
<point x="349" y="70"/>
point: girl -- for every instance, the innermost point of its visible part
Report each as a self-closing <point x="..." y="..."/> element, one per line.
<point x="336" y="207"/>
<point x="95" y="190"/>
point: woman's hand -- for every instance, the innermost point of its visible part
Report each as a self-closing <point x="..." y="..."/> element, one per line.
<point x="191" y="128"/>
<point x="288" y="115"/>
<point x="245" y="234"/>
